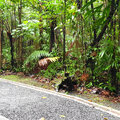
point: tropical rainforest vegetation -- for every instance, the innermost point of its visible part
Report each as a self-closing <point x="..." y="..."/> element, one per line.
<point x="77" y="41"/>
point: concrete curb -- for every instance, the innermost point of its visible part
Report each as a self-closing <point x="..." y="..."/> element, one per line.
<point x="77" y="99"/>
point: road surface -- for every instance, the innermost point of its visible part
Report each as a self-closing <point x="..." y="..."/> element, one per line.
<point x="19" y="102"/>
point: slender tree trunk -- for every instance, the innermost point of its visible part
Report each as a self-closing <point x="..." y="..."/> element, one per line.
<point x="52" y="34"/>
<point x="119" y="33"/>
<point x="58" y="38"/>
<point x="113" y="70"/>
<point x="2" y="34"/>
<point x="92" y="63"/>
<point x="11" y="18"/>
<point x="16" y="42"/>
<point x="114" y="80"/>
<point x="20" y="38"/>
<point x="41" y="26"/>
<point x="14" y="16"/>
<point x="118" y="38"/>
<point x="12" y="48"/>
<point x="11" y="39"/>
<point x="80" y="31"/>
<point x="41" y="33"/>
<point x="93" y="16"/>
<point x="119" y="25"/>
<point x="0" y="45"/>
<point x="64" y="32"/>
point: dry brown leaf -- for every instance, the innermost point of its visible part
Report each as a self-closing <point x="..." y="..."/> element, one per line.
<point x="46" y="61"/>
<point x="90" y="100"/>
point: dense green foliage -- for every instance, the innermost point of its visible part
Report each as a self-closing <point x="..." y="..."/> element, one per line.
<point x="86" y="34"/>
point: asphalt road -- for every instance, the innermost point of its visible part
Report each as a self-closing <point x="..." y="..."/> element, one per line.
<point x="23" y="103"/>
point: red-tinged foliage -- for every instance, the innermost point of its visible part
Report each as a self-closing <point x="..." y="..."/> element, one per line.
<point x="84" y="77"/>
<point x="105" y="93"/>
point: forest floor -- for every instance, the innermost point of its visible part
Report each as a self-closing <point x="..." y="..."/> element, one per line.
<point x="106" y="100"/>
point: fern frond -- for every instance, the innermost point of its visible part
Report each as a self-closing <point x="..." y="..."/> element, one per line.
<point x="53" y="59"/>
<point x="36" y="56"/>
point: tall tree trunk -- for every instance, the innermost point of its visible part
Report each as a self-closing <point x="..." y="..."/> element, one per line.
<point x="64" y="32"/>
<point x="12" y="49"/>
<point x="40" y="26"/>
<point x="14" y="16"/>
<point x="114" y="80"/>
<point x="119" y="33"/>
<point x="80" y="31"/>
<point x="2" y="34"/>
<point x="118" y="37"/>
<point x="11" y="39"/>
<point x="0" y="44"/>
<point x="41" y="33"/>
<point x="52" y="34"/>
<point x="119" y="25"/>
<point x="92" y="63"/>
<point x="113" y="70"/>
<point x="20" y="38"/>
<point x="93" y="16"/>
<point x="15" y="44"/>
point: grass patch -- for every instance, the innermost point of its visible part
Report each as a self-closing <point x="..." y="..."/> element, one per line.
<point x="26" y="80"/>
<point x="15" y="78"/>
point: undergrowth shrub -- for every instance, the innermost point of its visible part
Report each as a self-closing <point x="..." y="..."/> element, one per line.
<point x="107" y="58"/>
<point x="32" y="60"/>
<point x="52" y="70"/>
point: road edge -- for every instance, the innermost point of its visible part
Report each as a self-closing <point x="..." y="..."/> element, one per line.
<point x="77" y="99"/>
